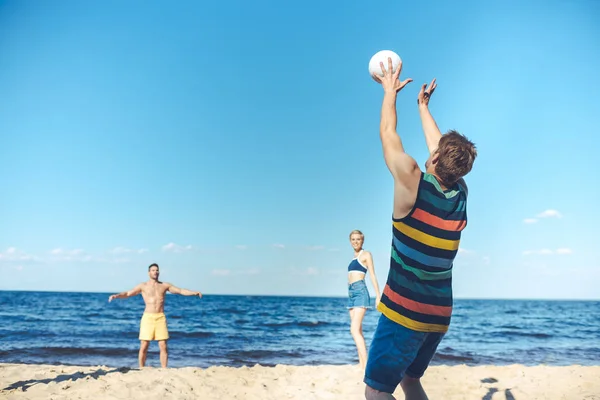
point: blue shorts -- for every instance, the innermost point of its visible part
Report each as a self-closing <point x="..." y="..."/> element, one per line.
<point x="358" y="295"/>
<point x="397" y="351"/>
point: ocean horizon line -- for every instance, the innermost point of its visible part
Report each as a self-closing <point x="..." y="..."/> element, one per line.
<point x="315" y="296"/>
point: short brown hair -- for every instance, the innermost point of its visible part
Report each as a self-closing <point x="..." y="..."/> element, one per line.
<point x="456" y="155"/>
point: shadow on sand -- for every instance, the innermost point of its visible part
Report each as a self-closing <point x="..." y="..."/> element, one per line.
<point x="24" y="385"/>
<point x="507" y="393"/>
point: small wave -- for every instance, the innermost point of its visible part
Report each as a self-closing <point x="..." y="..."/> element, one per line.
<point x="523" y="334"/>
<point x="453" y="358"/>
<point x="68" y="351"/>
<point x="510" y="327"/>
<point x="191" y="335"/>
<point x="303" y="324"/>
<point x="230" y="311"/>
<point x="24" y="334"/>
<point x="246" y="355"/>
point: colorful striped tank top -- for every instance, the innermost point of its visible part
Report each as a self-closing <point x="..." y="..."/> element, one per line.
<point x="418" y="291"/>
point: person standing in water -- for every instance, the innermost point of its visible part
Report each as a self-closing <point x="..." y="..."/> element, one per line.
<point x="153" y="325"/>
<point x="358" y="294"/>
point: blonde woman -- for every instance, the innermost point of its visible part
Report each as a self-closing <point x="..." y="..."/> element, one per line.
<point x="358" y="294"/>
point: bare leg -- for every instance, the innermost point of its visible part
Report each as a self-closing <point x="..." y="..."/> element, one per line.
<point x="356" y="318"/>
<point x="164" y="353"/>
<point x="413" y="389"/>
<point x="143" y="352"/>
<point x="372" y="394"/>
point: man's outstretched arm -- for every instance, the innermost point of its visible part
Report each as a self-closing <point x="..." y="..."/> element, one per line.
<point x="430" y="128"/>
<point x="184" y="292"/>
<point x="123" y="295"/>
<point x="400" y="164"/>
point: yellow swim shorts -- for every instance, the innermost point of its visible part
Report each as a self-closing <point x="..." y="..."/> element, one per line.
<point x="153" y="326"/>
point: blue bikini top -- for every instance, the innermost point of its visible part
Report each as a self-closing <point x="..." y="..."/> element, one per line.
<point x="356" y="265"/>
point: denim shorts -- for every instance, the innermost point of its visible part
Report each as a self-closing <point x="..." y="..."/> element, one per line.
<point x="397" y="351"/>
<point x="358" y="295"/>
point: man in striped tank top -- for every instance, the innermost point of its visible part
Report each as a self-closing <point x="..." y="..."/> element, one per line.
<point x="428" y="218"/>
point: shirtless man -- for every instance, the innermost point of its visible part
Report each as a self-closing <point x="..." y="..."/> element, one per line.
<point x="153" y="325"/>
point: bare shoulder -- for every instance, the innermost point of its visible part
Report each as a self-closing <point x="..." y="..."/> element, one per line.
<point x="141" y="288"/>
<point x="406" y="168"/>
<point x="366" y="256"/>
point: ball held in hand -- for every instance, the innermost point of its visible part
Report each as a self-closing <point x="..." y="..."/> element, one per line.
<point x="382" y="57"/>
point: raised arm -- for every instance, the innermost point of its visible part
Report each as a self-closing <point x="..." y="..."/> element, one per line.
<point x="400" y="164"/>
<point x="403" y="167"/>
<point x="430" y="128"/>
<point x="123" y="295"/>
<point x="184" y="292"/>
<point x="371" y="268"/>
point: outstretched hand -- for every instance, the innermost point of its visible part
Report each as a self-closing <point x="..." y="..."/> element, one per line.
<point x="111" y="298"/>
<point x="425" y="93"/>
<point x="391" y="80"/>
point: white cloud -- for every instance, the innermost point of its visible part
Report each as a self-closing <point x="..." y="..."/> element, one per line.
<point x="564" y="250"/>
<point x="279" y="246"/>
<point x="464" y="251"/>
<point x="228" y="272"/>
<point x="120" y="250"/>
<point x="312" y="271"/>
<point x="486" y="260"/>
<point x="241" y="247"/>
<point x="251" y="271"/>
<point x="125" y="250"/>
<point x="66" y="253"/>
<point x="547" y="252"/>
<point x="13" y="254"/>
<point x="315" y="248"/>
<point x="544" y="214"/>
<point x="175" y="248"/>
<point x="334" y="249"/>
<point x="549" y="214"/>
<point x="60" y="254"/>
<point x="305" y="271"/>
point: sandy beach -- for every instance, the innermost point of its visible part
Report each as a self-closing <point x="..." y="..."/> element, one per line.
<point x="290" y="382"/>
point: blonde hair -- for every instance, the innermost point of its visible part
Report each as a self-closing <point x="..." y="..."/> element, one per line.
<point x="356" y="231"/>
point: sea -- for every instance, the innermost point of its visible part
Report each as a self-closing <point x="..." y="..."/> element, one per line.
<point x="85" y="329"/>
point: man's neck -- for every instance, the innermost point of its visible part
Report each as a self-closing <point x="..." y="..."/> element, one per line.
<point x="439" y="181"/>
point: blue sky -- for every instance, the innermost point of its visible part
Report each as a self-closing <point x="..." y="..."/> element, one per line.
<point x="237" y="145"/>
